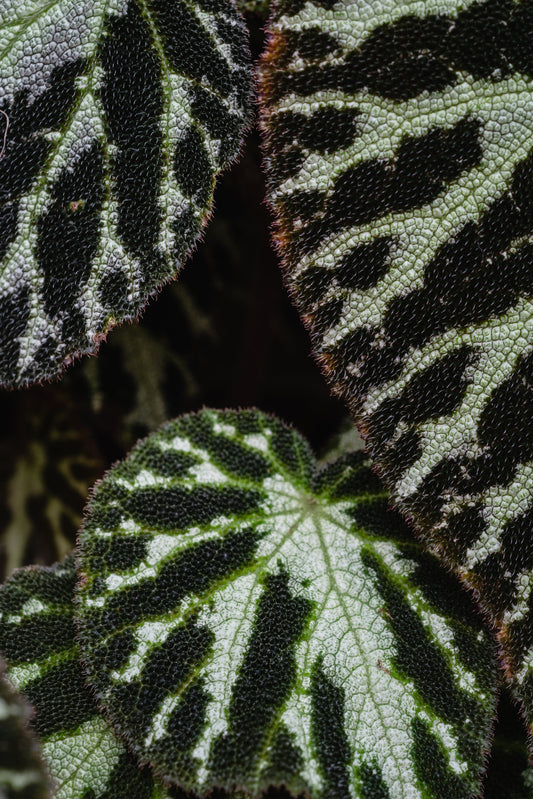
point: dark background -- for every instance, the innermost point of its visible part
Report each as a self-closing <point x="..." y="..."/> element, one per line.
<point x="223" y="335"/>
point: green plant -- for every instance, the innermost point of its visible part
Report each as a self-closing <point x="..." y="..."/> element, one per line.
<point x="240" y="615"/>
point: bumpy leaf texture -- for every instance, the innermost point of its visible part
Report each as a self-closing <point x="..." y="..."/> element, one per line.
<point x="248" y="619"/>
<point x="117" y="115"/>
<point x="398" y="140"/>
<point x="83" y="756"/>
<point x="22" y="774"/>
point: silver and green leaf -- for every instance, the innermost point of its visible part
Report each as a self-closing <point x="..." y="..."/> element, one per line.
<point x="249" y="618"/>
<point x="116" y="117"/>
<point x="22" y="773"/>
<point x="83" y="756"/>
<point x="399" y="142"/>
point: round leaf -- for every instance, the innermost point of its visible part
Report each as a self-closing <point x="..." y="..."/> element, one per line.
<point x="249" y="618"/>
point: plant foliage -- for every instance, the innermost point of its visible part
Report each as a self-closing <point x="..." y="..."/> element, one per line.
<point x="250" y="619"/>
<point x="117" y="116"/>
<point x="22" y="773"/>
<point x="83" y="756"/>
<point x="49" y="459"/>
<point x="399" y="144"/>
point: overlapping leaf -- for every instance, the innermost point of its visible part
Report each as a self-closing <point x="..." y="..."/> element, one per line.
<point x="399" y="140"/>
<point x="248" y="618"/>
<point x="22" y="774"/>
<point x="224" y="334"/>
<point x="37" y="638"/>
<point x="116" y="115"/>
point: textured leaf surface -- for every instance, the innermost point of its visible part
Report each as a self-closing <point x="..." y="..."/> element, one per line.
<point x="37" y="639"/>
<point x="223" y="335"/>
<point x="248" y="618"/>
<point x="399" y="141"/>
<point x="22" y="774"/>
<point x="119" y="114"/>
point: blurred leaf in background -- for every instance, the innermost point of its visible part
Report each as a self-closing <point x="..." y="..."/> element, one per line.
<point x="48" y="461"/>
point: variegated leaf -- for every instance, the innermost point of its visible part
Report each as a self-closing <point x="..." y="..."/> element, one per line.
<point x="37" y="638"/>
<point x="116" y="117"/>
<point x="224" y="334"/>
<point x="399" y="138"/>
<point x="22" y="774"/>
<point x="249" y="618"/>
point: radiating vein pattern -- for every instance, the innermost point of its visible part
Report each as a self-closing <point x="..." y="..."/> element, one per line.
<point x="83" y="756"/>
<point x="248" y="618"/>
<point x="117" y="115"/>
<point x="399" y="144"/>
<point x="22" y="774"/>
